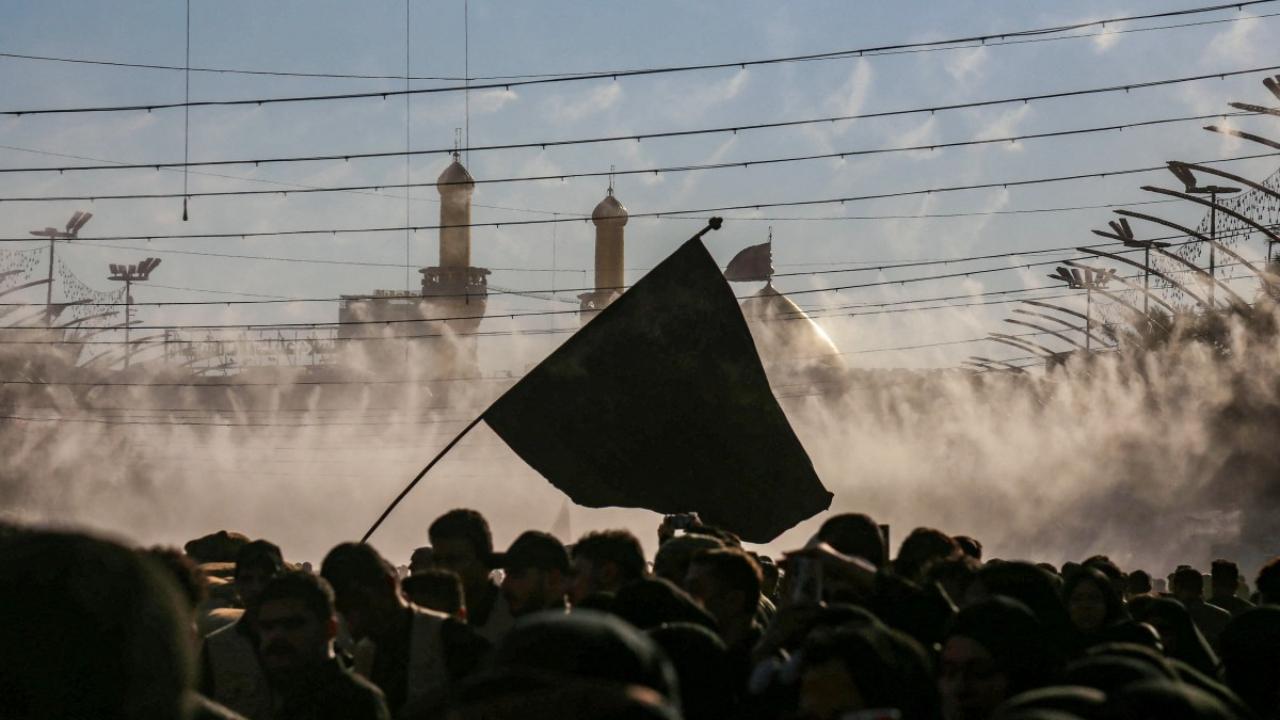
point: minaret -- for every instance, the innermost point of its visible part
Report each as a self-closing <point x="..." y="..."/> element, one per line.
<point x="456" y="186"/>
<point x="455" y="289"/>
<point x="610" y="217"/>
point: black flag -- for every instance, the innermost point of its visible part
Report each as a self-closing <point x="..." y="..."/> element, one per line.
<point x="661" y="402"/>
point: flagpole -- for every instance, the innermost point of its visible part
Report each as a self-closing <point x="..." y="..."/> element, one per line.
<point x="422" y="474"/>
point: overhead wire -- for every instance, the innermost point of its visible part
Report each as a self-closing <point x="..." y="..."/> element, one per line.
<point x="983" y="41"/>
<point x="999" y="184"/>
<point x="637" y="137"/>
<point x="742" y="164"/>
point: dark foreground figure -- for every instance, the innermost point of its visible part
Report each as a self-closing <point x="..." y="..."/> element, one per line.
<point x="834" y="631"/>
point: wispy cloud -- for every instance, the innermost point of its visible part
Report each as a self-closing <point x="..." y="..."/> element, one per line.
<point x="573" y="109"/>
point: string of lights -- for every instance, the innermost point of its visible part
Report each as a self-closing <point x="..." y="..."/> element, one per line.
<point x="981" y="41"/>
<point x="841" y="155"/>
<point x="611" y="75"/>
<point x="998" y="184"/>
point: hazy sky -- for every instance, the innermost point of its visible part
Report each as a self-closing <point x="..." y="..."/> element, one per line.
<point x="550" y="36"/>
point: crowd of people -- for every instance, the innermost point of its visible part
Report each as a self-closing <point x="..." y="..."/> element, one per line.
<point x="229" y="628"/>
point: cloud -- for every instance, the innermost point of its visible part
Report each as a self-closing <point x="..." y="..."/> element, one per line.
<point x="964" y="67"/>
<point x="566" y="110"/>
<point x="852" y="96"/>
<point x="1105" y="40"/>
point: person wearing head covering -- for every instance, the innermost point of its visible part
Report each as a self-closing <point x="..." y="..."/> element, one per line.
<point x="1094" y="605"/>
<point x="1178" y="633"/>
<point x="1034" y="588"/>
<point x="865" y="668"/>
<point x="994" y="649"/>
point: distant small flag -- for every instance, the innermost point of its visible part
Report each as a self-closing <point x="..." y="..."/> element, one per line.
<point x="753" y="263"/>
<point x="561" y="528"/>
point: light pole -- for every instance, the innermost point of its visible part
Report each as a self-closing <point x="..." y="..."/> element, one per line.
<point x="73" y="226"/>
<point x="129" y="274"/>
<point x="1124" y="233"/>
<point x="1213" y="191"/>
<point x="1088" y="280"/>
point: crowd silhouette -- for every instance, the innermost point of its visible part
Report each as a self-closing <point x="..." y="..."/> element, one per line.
<point x="836" y="630"/>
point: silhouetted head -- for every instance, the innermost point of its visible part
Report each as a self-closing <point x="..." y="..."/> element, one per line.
<point x="1268" y="582"/>
<point x="1165" y="699"/>
<point x="296" y="623"/>
<point x="1138" y="583"/>
<point x="1178" y="632"/>
<point x="1226" y="578"/>
<point x="461" y="542"/>
<point x="1092" y="602"/>
<point x="701" y="662"/>
<point x="969" y="546"/>
<point x="672" y="560"/>
<point x="537" y="573"/>
<point x="857" y="535"/>
<point x="256" y="563"/>
<point x="922" y="547"/>
<point x="605" y="561"/>
<point x="436" y="589"/>
<point x="91" y="630"/>
<point x="726" y="583"/>
<point x="866" y="667"/>
<point x="1188" y="584"/>
<point x="586" y="645"/>
<point x="366" y="588"/>
<point x="994" y="649"/>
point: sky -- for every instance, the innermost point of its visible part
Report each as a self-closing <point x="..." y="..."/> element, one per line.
<point x="506" y="39"/>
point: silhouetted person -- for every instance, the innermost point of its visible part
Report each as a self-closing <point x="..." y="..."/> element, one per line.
<point x="1225" y="584"/>
<point x="412" y="654"/>
<point x="921" y="548"/>
<point x="1251" y="659"/>
<point x="1137" y="583"/>
<point x="953" y="575"/>
<point x="90" y="630"/>
<point x="701" y="661"/>
<point x="537" y="574"/>
<point x="856" y="535"/>
<point x="436" y="589"/>
<point x="231" y="674"/>
<point x="1181" y="638"/>
<point x="672" y="561"/>
<point x="1188" y="588"/>
<point x="461" y="542"/>
<point x="583" y="665"/>
<point x="422" y="559"/>
<point x="605" y="561"/>
<point x="726" y="583"/>
<point x="1268" y="582"/>
<point x="193" y="585"/>
<point x="296" y="626"/>
<point x="866" y="668"/>
<point x="969" y="546"/>
<point x="1034" y="588"/>
<point x="994" y="649"/>
<point x="1093" y="604"/>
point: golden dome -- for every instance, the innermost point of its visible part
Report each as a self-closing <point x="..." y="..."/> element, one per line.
<point x="789" y="341"/>
<point x="609" y="210"/>
<point x="455" y="177"/>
